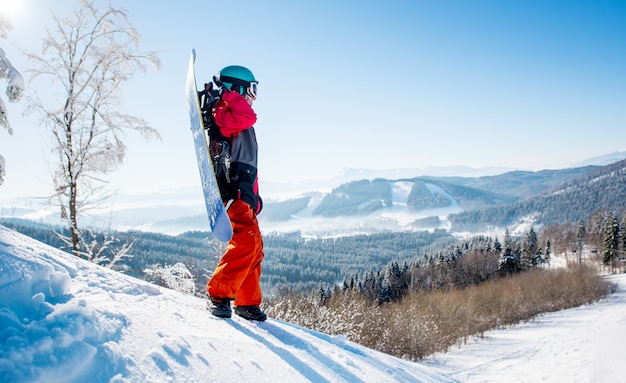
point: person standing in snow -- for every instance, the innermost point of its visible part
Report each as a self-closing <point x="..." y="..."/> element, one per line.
<point x="237" y="275"/>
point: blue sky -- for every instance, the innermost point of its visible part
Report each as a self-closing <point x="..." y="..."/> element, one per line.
<point x="364" y="84"/>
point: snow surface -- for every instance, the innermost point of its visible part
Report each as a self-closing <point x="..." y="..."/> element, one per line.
<point x="66" y="320"/>
<point x="582" y="344"/>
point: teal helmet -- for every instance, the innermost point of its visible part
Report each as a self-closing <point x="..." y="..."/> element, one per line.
<point x="239" y="79"/>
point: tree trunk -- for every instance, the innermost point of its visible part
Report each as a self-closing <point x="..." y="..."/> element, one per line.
<point x="74" y="221"/>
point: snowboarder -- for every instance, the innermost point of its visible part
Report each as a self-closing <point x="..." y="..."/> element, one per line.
<point x="237" y="275"/>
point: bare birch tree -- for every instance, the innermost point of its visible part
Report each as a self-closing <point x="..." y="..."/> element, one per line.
<point x="87" y="58"/>
<point x="15" y="85"/>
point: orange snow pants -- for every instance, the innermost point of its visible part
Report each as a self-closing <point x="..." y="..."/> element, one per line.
<point x="238" y="272"/>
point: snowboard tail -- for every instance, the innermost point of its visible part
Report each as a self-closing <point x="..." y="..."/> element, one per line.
<point x="216" y="213"/>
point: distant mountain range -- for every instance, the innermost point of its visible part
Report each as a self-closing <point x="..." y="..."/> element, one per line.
<point x="455" y="203"/>
<point x="606" y="159"/>
<point x="358" y="201"/>
<point x="458" y="203"/>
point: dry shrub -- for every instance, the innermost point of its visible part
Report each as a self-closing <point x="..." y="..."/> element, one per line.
<point x="426" y="322"/>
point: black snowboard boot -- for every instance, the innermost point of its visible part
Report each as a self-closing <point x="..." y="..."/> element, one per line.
<point x="220" y="307"/>
<point x="251" y="313"/>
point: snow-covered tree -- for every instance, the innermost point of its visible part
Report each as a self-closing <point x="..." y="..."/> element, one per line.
<point x="15" y="85"/>
<point x="581" y="234"/>
<point x="508" y="260"/>
<point x="610" y="239"/>
<point x="104" y="248"/>
<point x="548" y="252"/>
<point x="497" y="246"/>
<point x="2" y="169"/>
<point x="177" y="277"/>
<point x="530" y="246"/>
<point x="623" y="235"/>
<point x="87" y="58"/>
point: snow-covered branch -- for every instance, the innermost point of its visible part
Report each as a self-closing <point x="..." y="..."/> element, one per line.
<point x="15" y="86"/>
<point x="2" y="169"/>
<point x="103" y="249"/>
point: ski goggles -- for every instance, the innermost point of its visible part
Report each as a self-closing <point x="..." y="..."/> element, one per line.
<point x="240" y="86"/>
<point x="251" y="89"/>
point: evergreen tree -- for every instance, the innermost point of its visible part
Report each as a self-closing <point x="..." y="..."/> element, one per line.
<point x="497" y="245"/>
<point x="529" y="250"/>
<point x="623" y="235"/>
<point x="394" y="283"/>
<point x="610" y="238"/>
<point x="509" y="261"/>
<point x="369" y="288"/>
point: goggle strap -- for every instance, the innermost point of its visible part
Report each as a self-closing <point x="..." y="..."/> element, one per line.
<point x="233" y="80"/>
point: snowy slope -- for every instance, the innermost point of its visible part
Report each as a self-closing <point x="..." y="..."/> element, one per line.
<point x="66" y="320"/>
<point x="582" y="344"/>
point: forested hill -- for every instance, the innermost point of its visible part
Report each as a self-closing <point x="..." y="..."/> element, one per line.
<point x="603" y="188"/>
<point x="421" y="196"/>
<point x="291" y="263"/>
